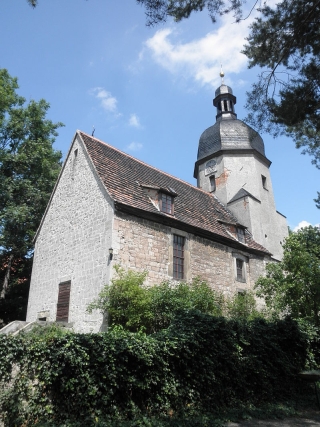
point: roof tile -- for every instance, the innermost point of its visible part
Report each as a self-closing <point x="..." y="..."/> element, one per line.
<point x="124" y="177"/>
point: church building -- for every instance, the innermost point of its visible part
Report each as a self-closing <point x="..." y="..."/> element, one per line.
<point x="109" y="208"/>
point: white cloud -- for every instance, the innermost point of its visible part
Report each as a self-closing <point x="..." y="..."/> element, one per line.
<point x="303" y="224"/>
<point x="134" y="121"/>
<point x="108" y="102"/>
<point x="200" y="59"/>
<point x="134" y="146"/>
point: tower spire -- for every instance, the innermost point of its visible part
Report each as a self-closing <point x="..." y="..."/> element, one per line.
<point x="224" y="100"/>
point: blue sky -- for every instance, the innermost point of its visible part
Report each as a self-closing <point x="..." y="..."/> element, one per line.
<point x="147" y="91"/>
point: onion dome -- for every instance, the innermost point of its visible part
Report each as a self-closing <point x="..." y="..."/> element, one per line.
<point x="228" y="133"/>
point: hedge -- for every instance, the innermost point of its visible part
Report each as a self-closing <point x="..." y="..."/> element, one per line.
<point x="200" y="363"/>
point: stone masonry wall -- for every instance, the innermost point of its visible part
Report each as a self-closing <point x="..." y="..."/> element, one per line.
<point x="140" y="245"/>
<point x="73" y="244"/>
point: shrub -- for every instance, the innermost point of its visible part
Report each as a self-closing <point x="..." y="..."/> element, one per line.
<point x="199" y="363"/>
<point x="130" y="304"/>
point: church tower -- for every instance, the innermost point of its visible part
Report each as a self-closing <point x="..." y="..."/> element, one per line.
<point x="232" y="165"/>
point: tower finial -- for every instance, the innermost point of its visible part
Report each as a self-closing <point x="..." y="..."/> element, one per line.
<point x="221" y="75"/>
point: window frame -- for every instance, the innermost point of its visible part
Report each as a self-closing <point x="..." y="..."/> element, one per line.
<point x="264" y="182"/>
<point x="244" y="260"/>
<point x="213" y="185"/>
<point x="241" y="234"/>
<point x="163" y="205"/>
<point x="178" y="257"/>
<point x="240" y="274"/>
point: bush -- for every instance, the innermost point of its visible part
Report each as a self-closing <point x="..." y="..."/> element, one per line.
<point x="128" y="303"/>
<point x="199" y="363"/>
<point x="242" y="306"/>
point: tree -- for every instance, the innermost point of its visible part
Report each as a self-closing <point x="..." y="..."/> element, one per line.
<point x="158" y="10"/>
<point x="292" y="286"/>
<point x="29" y="167"/>
<point x="286" y="98"/>
<point x="132" y="305"/>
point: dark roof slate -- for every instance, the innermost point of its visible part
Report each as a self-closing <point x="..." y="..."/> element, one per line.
<point x="242" y="193"/>
<point x="229" y="134"/>
<point x="125" y="178"/>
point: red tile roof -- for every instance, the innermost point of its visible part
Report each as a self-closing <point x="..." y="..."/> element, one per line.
<point x="124" y="178"/>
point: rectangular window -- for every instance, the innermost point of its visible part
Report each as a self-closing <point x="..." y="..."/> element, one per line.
<point x="212" y="183"/>
<point x="166" y="203"/>
<point x="241" y="235"/>
<point x="178" y="257"/>
<point x="63" y="302"/>
<point x="264" y="181"/>
<point x="240" y="270"/>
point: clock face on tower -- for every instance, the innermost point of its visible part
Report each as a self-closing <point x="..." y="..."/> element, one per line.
<point x="210" y="167"/>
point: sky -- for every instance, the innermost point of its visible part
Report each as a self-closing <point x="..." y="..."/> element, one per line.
<point x="146" y="90"/>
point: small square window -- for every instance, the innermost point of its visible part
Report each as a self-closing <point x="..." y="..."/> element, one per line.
<point x="166" y="203"/>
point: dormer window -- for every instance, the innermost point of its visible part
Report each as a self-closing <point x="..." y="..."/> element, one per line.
<point x="161" y="197"/>
<point x="241" y="235"/>
<point x="166" y="203"/>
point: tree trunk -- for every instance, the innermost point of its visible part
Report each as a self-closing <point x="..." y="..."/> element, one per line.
<point x="6" y="278"/>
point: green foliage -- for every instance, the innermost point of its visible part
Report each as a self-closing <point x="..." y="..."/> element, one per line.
<point x="29" y="167"/>
<point x="285" y="41"/>
<point x="168" y="299"/>
<point x="14" y="305"/>
<point x="130" y="304"/>
<point x="293" y="285"/>
<point x="242" y="306"/>
<point x="125" y="301"/>
<point x="199" y="365"/>
<point x="46" y="332"/>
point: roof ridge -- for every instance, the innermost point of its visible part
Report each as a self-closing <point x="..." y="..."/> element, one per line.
<point x="119" y="172"/>
<point x="145" y="164"/>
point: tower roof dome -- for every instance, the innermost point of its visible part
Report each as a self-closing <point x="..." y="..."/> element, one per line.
<point x="228" y="133"/>
<point x="223" y="89"/>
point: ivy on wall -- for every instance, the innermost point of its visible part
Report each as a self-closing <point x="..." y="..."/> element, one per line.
<point x="200" y="362"/>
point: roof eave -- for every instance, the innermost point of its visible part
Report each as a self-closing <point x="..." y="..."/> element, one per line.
<point x="174" y="222"/>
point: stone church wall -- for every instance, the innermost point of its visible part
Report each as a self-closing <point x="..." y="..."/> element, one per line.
<point x="73" y="244"/>
<point x="140" y="245"/>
